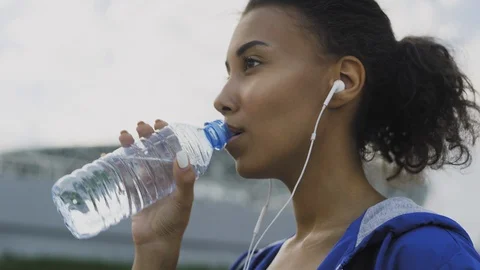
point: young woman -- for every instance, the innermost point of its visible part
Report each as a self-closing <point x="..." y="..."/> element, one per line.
<point x="406" y="100"/>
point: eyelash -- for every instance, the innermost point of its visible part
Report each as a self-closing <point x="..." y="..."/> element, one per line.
<point x="246" y="60"/>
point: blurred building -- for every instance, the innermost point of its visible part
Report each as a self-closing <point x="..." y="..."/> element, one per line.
<point x="223" y="217"/>
<point x="225" y="210"/>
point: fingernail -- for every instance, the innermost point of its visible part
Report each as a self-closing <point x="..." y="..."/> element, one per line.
<point x="159" y="124"/>
<point x="123" y="132"/>
<point x="140" y="123"/>
<point x="182" y="159"/>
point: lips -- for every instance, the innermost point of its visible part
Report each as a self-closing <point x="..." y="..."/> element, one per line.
<point x="234" y="130"/>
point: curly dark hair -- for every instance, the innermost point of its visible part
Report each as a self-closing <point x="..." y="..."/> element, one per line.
<point x="418" y="108"/>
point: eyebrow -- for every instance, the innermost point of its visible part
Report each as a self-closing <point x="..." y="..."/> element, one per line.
<point x="249" y="45"/>
<point x="245" y="47"/>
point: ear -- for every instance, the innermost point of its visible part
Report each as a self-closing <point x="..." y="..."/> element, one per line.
<point x="352" y="72"/>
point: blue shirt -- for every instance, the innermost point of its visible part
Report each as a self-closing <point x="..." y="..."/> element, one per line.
<point x="393" y="234"/>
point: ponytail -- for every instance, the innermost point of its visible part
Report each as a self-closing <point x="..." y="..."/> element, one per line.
<point x="428" y="118"/>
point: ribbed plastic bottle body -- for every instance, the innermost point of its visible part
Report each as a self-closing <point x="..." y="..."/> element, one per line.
<point x="122" y="183"/>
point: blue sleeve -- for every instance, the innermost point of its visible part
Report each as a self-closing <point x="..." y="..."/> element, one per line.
<point x="431" y="247"/>
<point x="239" y="263"/>
<point x="261" y="258"/>
<point x="462" y="260"/>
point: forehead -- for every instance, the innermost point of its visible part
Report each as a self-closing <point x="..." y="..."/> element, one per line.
<point x="279" y="27"/>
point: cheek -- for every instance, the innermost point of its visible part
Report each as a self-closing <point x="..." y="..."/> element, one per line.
<point x="275" y="101"/>
<point x="284" y="118"/>
<point x="269" y="154"/>
<point x="271" y="147"/>
<point x="281" y="112"/>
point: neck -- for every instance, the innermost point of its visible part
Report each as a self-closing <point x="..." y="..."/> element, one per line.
<point x="334" y="190"/>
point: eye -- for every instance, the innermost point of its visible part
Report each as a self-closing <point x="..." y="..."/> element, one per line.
<point x="250" y="62"/>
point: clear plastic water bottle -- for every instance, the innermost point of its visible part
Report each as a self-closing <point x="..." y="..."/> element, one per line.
<point x="122" y="183"/>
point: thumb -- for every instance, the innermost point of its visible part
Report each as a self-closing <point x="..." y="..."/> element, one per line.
<point x="185" y="178"/>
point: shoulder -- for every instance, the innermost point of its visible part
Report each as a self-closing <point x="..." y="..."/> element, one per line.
<point x="432" y="247"/>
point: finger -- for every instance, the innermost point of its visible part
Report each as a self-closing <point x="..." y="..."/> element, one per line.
<point x="125" y="138"/>
<point x="159" y="124"/>
<point x="144" y="130"/>
<point x="185" y="178"/>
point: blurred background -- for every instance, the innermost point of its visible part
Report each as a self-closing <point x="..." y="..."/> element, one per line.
<point x="74" y="73"/>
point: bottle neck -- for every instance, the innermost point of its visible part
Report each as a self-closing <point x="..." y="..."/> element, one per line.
<point x="217" y="134"/>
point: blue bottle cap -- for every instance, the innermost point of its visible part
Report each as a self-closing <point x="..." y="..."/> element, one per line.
<point x="217" y="134"/>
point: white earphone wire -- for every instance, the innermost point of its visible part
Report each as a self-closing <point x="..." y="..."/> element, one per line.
<point x="337" y="87"/>
<point x="259" y="222"/>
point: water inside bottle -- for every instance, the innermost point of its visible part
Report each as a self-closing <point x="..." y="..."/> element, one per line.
<point x="122" y="183"/>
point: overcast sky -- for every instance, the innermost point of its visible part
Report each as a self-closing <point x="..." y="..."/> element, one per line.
<point x="77" y="72"/>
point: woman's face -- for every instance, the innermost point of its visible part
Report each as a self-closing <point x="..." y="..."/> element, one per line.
<point x="276" y="87"/>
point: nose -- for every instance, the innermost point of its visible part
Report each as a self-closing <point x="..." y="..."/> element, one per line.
<point x="225" y="103"/>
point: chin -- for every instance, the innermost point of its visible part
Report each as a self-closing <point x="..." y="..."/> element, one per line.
<point x="251" y="169"/>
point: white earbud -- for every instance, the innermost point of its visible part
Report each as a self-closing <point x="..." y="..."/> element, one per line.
<point x="338" y="86"/>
